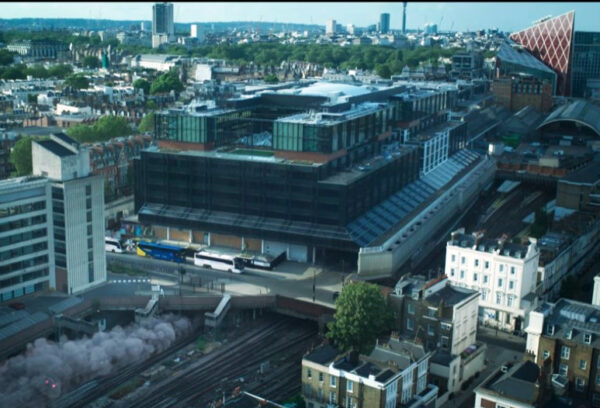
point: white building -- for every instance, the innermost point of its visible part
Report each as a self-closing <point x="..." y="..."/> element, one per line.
<point x="331" y="27"/>
<point x="78" y="212"/>
<point x="155" y="61"/>
<point x="596" y="293"/>
<point x="504" y="273"/>
<point x="26" y="244"/>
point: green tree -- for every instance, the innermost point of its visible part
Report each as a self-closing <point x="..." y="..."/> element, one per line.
<point x="362" y="315"/>
<point x="77" y="81"/>
<point x="147" y="123"/>
<point x="167" y="82"/>
<point x="38" y="71"/>
<point x="570" y="288"/>
<point x="383" y="71"/>
<point x="540" y="223"/>
<point x="32" y="98"/>
<point x="91" y="62"/>
<point x="271" y="79"/>
<point x="142" y="84"/>
<point x="15" y="72"/>
<point x="105" y="128"/>
<point x="60" y="70"/>
<point x="6" y="57"/>
<point x="20" y="156"/>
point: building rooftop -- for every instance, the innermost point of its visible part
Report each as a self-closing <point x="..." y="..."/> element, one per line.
<point x="332" y="118"/>
<point x="16" y="182"/>
<point x="483" y="244"/>
<point x="518" y="382"/>
<point x="323" y="354"/>
<point x="55" y="147"/>
<point x="450" y="295"/>
<point x="514" y="54"/>
<point x="589" y="175"/>
<point x="571" y="317"/>
<point x="579" y="111"/>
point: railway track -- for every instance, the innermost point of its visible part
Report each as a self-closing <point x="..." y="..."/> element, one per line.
<point x="195" y="384"/>
<point x="94" y="389"/>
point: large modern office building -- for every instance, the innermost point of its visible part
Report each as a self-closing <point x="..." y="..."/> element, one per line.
<point x="586" y="61"/>
<point x="26" y="244"/>
<point x="163" y="29"/>
<point x="313" y="170"/>
<point x="77" y="204"/>
<point x="573" y="55"/>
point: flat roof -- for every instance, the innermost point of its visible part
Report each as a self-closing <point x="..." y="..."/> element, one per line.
<point x="55" y="148"/>
<point x="589" y="174"/>
<point x="330" y="118"/>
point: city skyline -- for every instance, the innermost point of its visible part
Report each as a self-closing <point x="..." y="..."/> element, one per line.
<point x="458" y="16"/>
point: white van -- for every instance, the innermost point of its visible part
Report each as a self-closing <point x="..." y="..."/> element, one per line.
<point x="113" y="245"/>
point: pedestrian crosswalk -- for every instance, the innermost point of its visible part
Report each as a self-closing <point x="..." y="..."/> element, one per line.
<point x="129" y="281"/>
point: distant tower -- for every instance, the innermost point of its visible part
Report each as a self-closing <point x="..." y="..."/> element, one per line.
<point x="384" y="23"/>
<point x="163" y="29"/>
<point x="404" y="19"/>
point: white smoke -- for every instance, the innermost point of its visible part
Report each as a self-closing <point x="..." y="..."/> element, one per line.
<point x="48" y="369"/>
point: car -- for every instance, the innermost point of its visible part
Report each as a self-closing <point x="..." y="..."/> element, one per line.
<point x="17" y="305"/>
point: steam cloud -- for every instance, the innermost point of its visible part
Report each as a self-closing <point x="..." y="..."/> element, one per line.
<point x="48" y="369"/>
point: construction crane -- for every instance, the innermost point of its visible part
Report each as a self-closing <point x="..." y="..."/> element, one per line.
<point x="440" y="24"/>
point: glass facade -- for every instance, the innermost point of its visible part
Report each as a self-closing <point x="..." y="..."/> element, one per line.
<point x="586" y="61"/>
<point x="328" y="133"/>
<point x="550" y="41"/>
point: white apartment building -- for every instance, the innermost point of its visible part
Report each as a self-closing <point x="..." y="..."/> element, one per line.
<point x="505" y="274"/>
<point x="78" y="212"/>
<point x="330" y="27"/>
<point x="26" y="245"/>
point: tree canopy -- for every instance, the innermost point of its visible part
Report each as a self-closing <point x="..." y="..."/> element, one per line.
<point x="147" y="123"/>
<point x="77" y="81"/>
<point x="91" y="62"/>
<point x="362" y="315"/>
<point x="6" y="57"/>
<point x="142" y="84"/>
<point x="105" y="128"/>
<point x="20" y="156"/>
<point x="167" y="82"/>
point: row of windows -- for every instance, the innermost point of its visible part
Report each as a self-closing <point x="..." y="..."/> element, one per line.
<point x="486" y="264"/>
<point x="332" y="380"/>
<point x="24" y="236"/>
<point x="15" y="280"/>
<point x="22" y="223"/>
<point x="22" y="209"/>
<point x="24" y="250"/>
<point x="17" y="266"/>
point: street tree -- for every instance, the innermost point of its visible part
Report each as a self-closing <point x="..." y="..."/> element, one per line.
<point x="20" y="156"/>
<point x="147" y="123"/>
<point x="362" y="315"/>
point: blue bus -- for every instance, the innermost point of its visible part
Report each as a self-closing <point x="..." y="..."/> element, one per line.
<point x="161" y="251"/>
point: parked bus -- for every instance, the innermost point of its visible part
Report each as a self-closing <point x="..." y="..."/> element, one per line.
<point x="112" y="245"/>
<point x="221" y="262"/>
<point x="161" y="251"/>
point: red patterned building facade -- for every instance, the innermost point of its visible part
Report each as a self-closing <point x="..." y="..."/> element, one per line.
<point x="551" y="42"/>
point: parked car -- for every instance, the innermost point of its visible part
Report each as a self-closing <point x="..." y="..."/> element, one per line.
<point x="17" y="305"/>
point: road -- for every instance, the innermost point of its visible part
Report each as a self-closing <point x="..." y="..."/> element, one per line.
<point x="291" y="279"/>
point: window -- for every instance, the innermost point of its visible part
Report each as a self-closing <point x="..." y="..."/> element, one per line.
<point x="587" y="338"/>
<point x="565" y="352"/>
<point x="485" y="278"/>
<point x="350" y="385"/>
<point x="509" y="300"/>
<point x="409" y="324"/>
<point x="562" y="369"/>
<point x="444" y="340"/>
<point x="332" y="397"/>
<point x="474" y="277"/>
<point x="88" y="189"/>
<point x="512" y="270"/>
<point x="582" y="364"/>
<point x="596" y="399"/>
<point x="451" y="271"/>
<point x="89" y="216"/>
<point x="453" y="258"/>
<point x="484" y="295"/>
<point x="431" y="312"/>
<point x="462" y="274"/>
<point x="308" y="373"/>
<point x="487" y="265"/>
<point x="332" y="381"/>
<point x="476" y="262"/>
<point x="501" y="268"/>
<point x="411" y="308"/>
<point x="545" y="354"/>
<point x="320" y="377"/>
<point x="498" y="298"/>
<point x="511" y="284"/>
<point x="462" y="260"/>
<point x="430" y="330"/>
<point x="499" y="282"/>
<point x="579" y="384"/>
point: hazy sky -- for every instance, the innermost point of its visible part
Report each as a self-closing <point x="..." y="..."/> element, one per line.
<point x="472" y="16"/>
